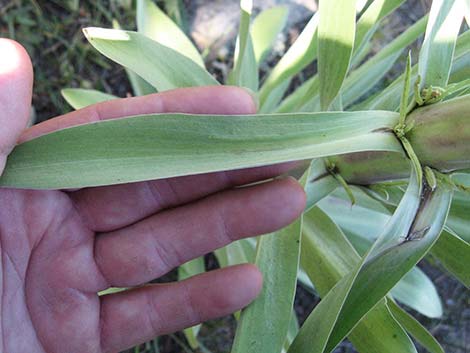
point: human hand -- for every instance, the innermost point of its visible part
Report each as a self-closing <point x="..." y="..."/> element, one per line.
<point x="59" y="249"/>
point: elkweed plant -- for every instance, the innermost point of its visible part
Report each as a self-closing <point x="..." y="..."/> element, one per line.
<point x="388" y="182"/>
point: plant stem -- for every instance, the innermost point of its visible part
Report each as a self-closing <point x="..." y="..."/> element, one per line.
<point x="439" y="135"/>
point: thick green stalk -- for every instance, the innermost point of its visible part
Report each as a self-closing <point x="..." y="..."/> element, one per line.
<point x="366" y="168"/>
<point x="441" y="134"/>
<point x="440" y="137"/>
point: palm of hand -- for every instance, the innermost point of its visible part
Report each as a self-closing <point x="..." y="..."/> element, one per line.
<point x="58" y="249"/>
<point x="42" y="238"/>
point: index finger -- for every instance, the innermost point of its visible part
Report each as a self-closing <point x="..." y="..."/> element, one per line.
<point x="196" y="100"/>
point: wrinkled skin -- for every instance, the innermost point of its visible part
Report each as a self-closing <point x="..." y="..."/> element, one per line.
<point x="58" y="248"/>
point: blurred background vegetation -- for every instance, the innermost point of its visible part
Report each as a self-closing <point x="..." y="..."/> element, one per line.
<point x="51" y="32"/>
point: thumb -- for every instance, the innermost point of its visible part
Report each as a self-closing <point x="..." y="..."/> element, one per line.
<point x="16" y="83"/>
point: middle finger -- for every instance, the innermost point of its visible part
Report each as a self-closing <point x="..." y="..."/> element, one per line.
<point x="109" y="208"/>
<point x="152" y="247"/>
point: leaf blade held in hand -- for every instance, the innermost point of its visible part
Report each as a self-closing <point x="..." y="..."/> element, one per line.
<point x="166" y="145"/>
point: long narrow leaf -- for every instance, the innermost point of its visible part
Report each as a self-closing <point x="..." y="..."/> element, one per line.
<point x="80" y="98"/>
<point x="336" y="31"/>
<point x="417" y="291"/>
<point x="328" y="256"/>
<point x="165" y="145"/>
<point x="162" y="67"/>
<point x="436" y="54"/>
<point x="320" y="184"/>
<point x="245" y="67"/>
<point x="370" y="19"/>
<point x="385" y="268"/>
<point x="265" y="29"/>
<point x="306" y="96"/>
<point x="140" y="87"/>
<point x="264" y="324"/>
<point x="362" y="223"/>
<point x="454" y="254"/>
<point x="415" y="329"/>
<point x="299" y="55"/>
<point x="155" y="24"/>
<point x="461" y="64"/>
<point x="364" y="78"/>
<point x="414" y="228"/>
<point x="367" y="75"/>
<point x="459" y="220"/>
<point x="389" y="98"/>
<point x="274" y="98"/>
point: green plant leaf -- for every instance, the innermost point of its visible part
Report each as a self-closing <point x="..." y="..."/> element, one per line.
<point x="245" y="67"/>
<point x="417" y="291"/>
<point x="165" y="145"/>
<point x="454" y="254"/>
<point x="336" y="31"/>
<point x="418" y="331"/>
<point x="238" y="252"/>
<point x="365" y="219"/>
<point x="292" y="331"/>
<point x="162" y="67"/>
<point x="467" y="11"/>
<point x="264" y="324"/>
<point x="176" y="11"/>
<point x="306" y="96"/>
<point x="368" y="22"/>
<point x="388" y="264"/>
<point x="367" y="75"/>
<point x="459" y="221"/>
<point x="362" y="223"/>
<point x="265" y="29"/>
<point x="413" y="229"/>
<point x="297" y="57"/>
<point x="274" y="98"/>
<point x="80" y="98"/>
<point x="461" y="64"/>
<point x="155" y="24"/>
<point x="140" y="87"/>
<point x="389" y="98"/>
<point x="187" y="270"/>
<point x="248" y="75"/>
<point x="327" y="256"/>
<point x="316" y="332"/>
<point x="435" y="57"/>
<point x="320" y="184"/>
